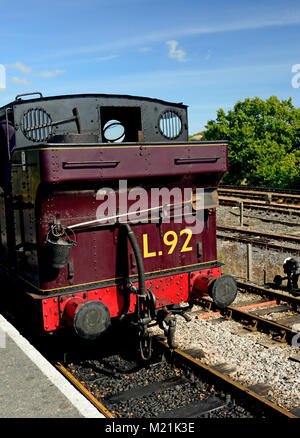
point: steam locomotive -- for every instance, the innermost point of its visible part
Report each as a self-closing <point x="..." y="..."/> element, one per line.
<point x="108" y="212"/>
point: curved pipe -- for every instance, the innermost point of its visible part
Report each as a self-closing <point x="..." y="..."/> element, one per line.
<point x="138" y="257"/>
<point x="142" y="320"/>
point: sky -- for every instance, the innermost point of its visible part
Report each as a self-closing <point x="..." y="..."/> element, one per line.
<point x="208" y="55"/>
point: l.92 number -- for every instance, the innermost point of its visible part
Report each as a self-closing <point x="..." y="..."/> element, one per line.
<point x="170" y="239"/>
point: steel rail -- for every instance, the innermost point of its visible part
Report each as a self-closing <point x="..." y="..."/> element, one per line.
<point x="270" y="293"/>
<point x="260" y="194"/>
<point x="267" y="219"/>
<point x="260" y="189"/>
<point x="252" y="322"/>
<point x="84" y="391"/>
<point x="259" y="243"/>
<point x="233" y="387"/>
<point x="260" y="205"/>
<point x="260" y="234"/>
<point x="242" y="391"/>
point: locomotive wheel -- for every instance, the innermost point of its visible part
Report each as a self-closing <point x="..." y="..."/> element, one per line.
<point x="91" y="320"/>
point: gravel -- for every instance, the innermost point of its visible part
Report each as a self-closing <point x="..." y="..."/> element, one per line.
<point x="260" y="221"/>
<point x="257" y="359"/>
<point x="113" y="378"/>
<point x="253" y="356"/>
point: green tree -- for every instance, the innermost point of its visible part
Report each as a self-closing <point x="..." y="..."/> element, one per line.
<point x="264" y="149"/>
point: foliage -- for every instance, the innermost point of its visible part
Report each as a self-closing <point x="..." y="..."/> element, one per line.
<point x="264" y="149"/>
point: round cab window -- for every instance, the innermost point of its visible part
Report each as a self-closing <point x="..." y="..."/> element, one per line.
<point x="36" y="125"/>
<point x="170" y="124"/>
<point x="114" y="131"/>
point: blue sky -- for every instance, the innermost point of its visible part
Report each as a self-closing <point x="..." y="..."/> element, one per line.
<point x="207" y="55"/>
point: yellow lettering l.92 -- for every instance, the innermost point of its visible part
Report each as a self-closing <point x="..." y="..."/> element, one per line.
<point x="170" y="239"/>
<point x="185" y="246"/>
<point x="170" y="242"/>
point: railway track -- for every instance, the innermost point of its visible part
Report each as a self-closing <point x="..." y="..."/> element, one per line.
<point x="261" y="189"/>
<point x="270" y="291"/>
<point x="259" y="238"/>
<point x="290" y="197"/>
<point x="260" y="234"/>
<point x="172" y="385"/>
<point x="292" y="221"/>
<point x="175" y="384"/>
<point x="275" y="313"/>
<point x="268" y="207"/>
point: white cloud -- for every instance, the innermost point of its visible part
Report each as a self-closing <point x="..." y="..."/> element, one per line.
<point x="25" y="69"/>
<point x="95" y="59"/>
<point x="51" y="74"/>
<point x="19" y="66"/>
<point x="19" y="81"/>
<point x="175" y="53"/>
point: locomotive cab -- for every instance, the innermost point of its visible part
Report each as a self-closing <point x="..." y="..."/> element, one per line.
<point x="108" y="211"/>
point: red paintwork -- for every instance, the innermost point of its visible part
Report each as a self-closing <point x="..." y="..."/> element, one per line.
<point x="70" y="308"/>
<point x="167" y="290"/>
<point x="202" y="283"/>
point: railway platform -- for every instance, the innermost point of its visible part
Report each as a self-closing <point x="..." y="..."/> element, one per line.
<point x="30" y="387"/>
